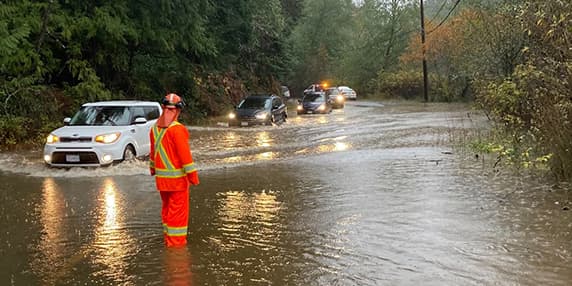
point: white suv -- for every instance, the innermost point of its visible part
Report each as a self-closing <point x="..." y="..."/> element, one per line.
<point x="101" y="133"/>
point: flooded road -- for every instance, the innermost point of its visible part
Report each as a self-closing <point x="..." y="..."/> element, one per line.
<point x="374" y="194"/>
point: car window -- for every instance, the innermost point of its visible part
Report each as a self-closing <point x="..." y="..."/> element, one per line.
<point x="102" y="115"/>
<point x="316" y="97"/>
<point x="151" y="112"/>
<point x="138" y="111"/>
<point x="332" y="91"/>
<point x="254" y="103"/>
<point x="276" y="103"/>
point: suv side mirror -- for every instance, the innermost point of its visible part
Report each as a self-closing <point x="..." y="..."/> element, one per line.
<point x="67" y="120"/>
<point x="140" y="120"/>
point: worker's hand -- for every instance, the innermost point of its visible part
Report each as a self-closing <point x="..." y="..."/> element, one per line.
<point x="193" y="178"/>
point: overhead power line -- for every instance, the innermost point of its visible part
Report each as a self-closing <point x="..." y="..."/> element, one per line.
<point x="439" y="11"/>
<point x="445" y="19"/>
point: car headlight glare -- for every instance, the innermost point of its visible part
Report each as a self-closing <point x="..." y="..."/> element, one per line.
<point x="231" y="115"/>
<point x="261" y="115"/>
<point x="52" y="139"/>
<point x="340" y="98"/>
<point x="299" y="107"/>
<point x="107" y="138"/>
<point x="322" y="107"/>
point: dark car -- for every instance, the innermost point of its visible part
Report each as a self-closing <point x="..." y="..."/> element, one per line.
<point x="260" y="109"/>
<point x="316" y="102"/>
<point x="336" y="98"/>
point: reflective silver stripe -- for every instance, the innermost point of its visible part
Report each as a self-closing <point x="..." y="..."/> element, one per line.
<point x="159" y="148"/>
<point x="158" y="138"/>
<point x="165" y="159"/>
<point x="165" y="173"/>
<point x="189" y="168"/>
<point x="176" y="231"/>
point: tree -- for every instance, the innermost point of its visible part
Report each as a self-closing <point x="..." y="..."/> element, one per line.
<point x="382" y="28"/>
<point x="318" y="40"/>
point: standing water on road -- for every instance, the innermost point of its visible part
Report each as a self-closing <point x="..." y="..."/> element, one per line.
<point x="371" y="194"/>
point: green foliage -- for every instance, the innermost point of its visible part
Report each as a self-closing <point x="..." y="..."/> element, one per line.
<point x="380" y="34"/>
<point x="534" y="103"/>
<point x="13" y="130"/>
<point x="401" y="84"/>
<point x="23" y="132"/>
<point x="56" y="55"/>
<point x="318" y="41"/>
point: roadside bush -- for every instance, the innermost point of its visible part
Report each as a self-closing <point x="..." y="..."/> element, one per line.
<point x="448" y="88"/>
<point x="407" y="84"/>
<point x="535" y="110"/>
<point x="534" y="105"/>
<point x="14" y="130"/>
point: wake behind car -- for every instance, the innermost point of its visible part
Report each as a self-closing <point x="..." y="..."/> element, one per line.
<point x="316" y="102"/>
<point x="259" y="109"/>
<point x="101" y="133"/>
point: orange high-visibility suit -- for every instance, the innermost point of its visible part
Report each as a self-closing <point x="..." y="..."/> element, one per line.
<point x="171" y="162"/>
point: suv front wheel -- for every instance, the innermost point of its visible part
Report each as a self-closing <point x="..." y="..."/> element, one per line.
<point x="129" y="153"/>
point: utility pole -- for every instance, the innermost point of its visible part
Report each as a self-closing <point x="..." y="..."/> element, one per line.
<point x="425" y="97"/>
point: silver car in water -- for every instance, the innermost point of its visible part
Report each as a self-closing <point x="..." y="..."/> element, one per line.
<point x="101" y="133"/>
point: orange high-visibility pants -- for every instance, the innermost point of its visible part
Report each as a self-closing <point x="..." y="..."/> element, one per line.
<point x="175" y="216"/>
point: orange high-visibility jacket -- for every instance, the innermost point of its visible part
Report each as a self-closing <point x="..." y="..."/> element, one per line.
<point x="170" y="159"/>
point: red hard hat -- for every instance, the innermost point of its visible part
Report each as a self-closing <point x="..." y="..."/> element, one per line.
<point x="172" y="100"/>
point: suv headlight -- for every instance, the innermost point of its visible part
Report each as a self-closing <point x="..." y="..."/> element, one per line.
<point x="107" y="138"/>
<point x="232" y="115"/>
<point x="322" y="107"/>
<point x="52" y="139"/>
<point x="262" y="115"/>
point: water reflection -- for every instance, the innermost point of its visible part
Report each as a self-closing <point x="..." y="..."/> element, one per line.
<point x="341" y="146"/>
<point x="177" y="263"/>
<point x="233" y="159"/>
<point x="266" y="156"/>
<point x="240" y="210"/>
<point x="51" y="246"/>
<point x="337" y="146"/>
<point x="230" y="139"/>
<point x="263" y="139"/>
<point x="113" y="244"/>
<point x="322" y="120"/>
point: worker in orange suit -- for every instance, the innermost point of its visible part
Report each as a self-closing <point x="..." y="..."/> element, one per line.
<point x="171" y="162"/>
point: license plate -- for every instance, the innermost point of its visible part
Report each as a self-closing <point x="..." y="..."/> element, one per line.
<point x="244" y="123"/>
<point x="72" y="158"/>
<point x="310" y="111"/>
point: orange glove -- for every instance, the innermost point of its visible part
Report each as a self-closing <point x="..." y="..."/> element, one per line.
<point x="193" y="178"/>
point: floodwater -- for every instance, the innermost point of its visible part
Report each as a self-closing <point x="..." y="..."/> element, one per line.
<point x="374" y="194"/>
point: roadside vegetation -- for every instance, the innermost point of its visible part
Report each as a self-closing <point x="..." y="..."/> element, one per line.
<point x="512" y="58"/>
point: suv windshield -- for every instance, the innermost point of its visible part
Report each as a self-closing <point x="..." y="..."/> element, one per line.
<point x="332" y="91"/>
<point x="255" y="103"/>
<point x="315" y="97"/>
<point x="102" y="115"/>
